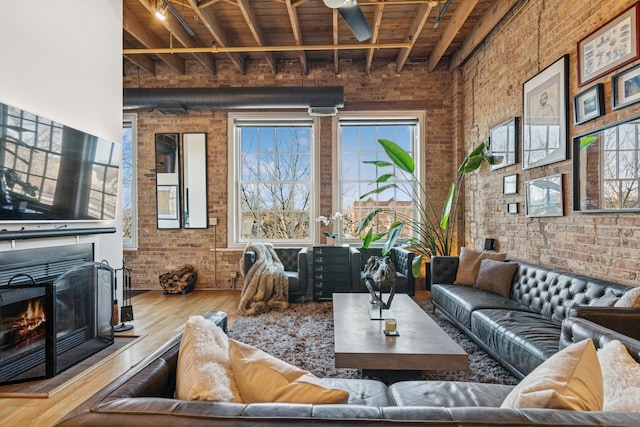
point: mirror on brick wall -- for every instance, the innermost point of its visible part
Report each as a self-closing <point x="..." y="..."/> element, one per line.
<point x="606" y="176"/>
<point x="194" y="166"/>
<point x="167" y="180"/>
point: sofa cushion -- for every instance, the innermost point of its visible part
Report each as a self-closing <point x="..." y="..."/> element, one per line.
<point x="571" y="379"/>
<point x="631" y="298"/>
<point x="522" y="339"/>
<point x="470" y="264"/>
<point x="496" y="276"/>
<point x="621" y="378"/>
<point x="264" y="378"/>
<point x="362" y="391"/>
<point x="460" y="301"/>
<point x="448" y="394"/>
<point x="607" y="300"/>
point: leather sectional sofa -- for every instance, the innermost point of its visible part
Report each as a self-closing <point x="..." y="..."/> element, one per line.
<point x="523" y="330"/>
<point x="144" y="396"/>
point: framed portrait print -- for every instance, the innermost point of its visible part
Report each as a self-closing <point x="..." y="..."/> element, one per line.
<point x="545" y="116"/>
<point x="544" y="196"/>
<point x="625" y="88"/>
<point x="588" y="104"/>
<point x="510" y="184"/>
<point x="504" y="143"/>
<point x="609" y="47"/>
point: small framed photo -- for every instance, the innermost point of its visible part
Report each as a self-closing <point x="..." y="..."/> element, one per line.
<point x="588" y="104"/>
<point x="625" y="87"/>
<point x="512" y="208"/>
<point x="544" y="196"/>
<point x="510" y="184"/>
<point x="504" y="143"/>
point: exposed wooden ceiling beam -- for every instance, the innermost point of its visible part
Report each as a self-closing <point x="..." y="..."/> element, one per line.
<point x="489" y="20"/>
<point x="297" y="33"/>
<point x="177" y="31"/>
<point x="462" y="12"/>
<point x="143" y="62"/>
<point x="414" y="33"/>
<point x="377" y="19"/>
<point x="141" y="33"/>
<point x="252" y="22"/>
<point x="215" y="29"/>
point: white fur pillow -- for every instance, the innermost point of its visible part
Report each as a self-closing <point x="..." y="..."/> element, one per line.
<point x="204" y="369"/>
<point x="631" y="298"/>
<point x="621" y="378"/>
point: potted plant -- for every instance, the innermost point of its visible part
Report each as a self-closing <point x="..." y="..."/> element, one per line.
<point x="432" y="231"/>
<point x="332" y="237"/>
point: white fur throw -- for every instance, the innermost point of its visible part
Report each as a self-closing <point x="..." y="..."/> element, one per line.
<point x="266" y="285"/>
<point x="204" y="370"/>
<point x="621" y="376"/>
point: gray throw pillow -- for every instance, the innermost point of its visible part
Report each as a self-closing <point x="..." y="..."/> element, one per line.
<point x="496" y="276"/>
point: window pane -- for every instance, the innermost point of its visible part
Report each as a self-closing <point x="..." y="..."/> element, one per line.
<point x="359" y="142"/>
<point x="274" y="180"/>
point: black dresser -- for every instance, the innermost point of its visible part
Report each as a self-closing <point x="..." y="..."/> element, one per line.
<point x="331" y="271"/>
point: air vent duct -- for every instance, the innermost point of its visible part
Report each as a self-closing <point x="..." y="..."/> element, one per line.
<point x="233" y="98"/>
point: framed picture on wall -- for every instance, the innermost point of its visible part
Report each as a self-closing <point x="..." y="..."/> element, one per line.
<point x="510" y="184"/>
<point x="544" y="196"/>
<point x="625" y="88"/>
<point x="609" y="47"/>
<point x="167" y="202"/>
<point x="545" y="116"/>
<point x="512" y="208"/>
<point x="504" y="143"/>
<point x="588" y="104"/>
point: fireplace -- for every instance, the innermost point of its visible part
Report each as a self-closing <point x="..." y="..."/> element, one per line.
<point x="55" y="310"/>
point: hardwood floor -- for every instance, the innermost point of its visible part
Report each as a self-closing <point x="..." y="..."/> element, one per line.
<point x="159" y="317"/>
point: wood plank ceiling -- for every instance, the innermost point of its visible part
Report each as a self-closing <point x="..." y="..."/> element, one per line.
<point x="440" y="33"/>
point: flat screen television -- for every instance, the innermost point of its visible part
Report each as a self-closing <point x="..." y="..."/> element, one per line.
<point x="52" y="172"/>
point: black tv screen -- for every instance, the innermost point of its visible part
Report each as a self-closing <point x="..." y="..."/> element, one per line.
<point x="52" y="172"/>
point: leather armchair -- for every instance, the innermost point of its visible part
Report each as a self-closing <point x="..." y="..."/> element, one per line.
<point x="296" y="267"/>
<point x="401" y="258"/>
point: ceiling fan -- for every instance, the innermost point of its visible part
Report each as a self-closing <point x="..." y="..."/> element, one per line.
<point x="353" y="16"/>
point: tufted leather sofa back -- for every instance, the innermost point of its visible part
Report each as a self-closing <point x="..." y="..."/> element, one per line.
<point x="552" y="292"/>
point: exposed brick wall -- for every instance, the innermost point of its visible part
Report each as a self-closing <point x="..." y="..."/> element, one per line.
<point x="532" y="37"/>
<point x="382" y="89"/>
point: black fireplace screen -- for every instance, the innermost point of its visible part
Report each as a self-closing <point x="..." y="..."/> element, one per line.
<point x="45" y="328"/>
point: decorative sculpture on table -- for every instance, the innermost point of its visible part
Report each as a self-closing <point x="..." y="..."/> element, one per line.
<point x="379" y="272"/>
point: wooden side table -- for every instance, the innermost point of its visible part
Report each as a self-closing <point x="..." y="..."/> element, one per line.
<point x="331" y="271"/>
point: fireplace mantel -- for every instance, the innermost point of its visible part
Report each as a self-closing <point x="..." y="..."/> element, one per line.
<point x="53" y="232"/>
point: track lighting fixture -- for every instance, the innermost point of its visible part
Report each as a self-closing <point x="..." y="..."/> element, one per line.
<point x="161" y="12"/>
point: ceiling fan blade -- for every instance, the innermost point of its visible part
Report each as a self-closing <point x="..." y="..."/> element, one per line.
<point x="353" y="16"/>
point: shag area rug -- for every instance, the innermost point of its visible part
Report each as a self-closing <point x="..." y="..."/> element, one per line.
<point x="303" y="336"/>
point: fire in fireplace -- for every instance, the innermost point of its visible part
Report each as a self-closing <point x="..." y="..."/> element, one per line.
<point x="49" y="324"/>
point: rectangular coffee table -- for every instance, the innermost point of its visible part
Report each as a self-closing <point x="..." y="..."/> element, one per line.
<point x="361" y="343"/>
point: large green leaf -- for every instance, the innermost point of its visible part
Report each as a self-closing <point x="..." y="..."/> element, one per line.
<point x="379" y="163"/>
<point x="392" y="237"/>
<point x="398" y="156"/>
<point x="416" y="265"/>
<point x="364" y="222"/>
<point x="377" y="190"/>
<point x="385" y="177"/>
<point x="446" y="209"/>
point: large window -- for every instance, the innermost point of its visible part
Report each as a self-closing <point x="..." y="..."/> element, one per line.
<point x="129" y="199"/>
<point x="272" y="171"/>
<point x="357" y="142"/>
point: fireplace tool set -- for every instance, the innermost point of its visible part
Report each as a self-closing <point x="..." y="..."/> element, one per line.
<point x="126" y="311"/>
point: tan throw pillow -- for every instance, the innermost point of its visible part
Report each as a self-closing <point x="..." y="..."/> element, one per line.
<point x="496" y="276"/>
<point x="630" y="299"/>
<point x="621" y="378"/>
<point x="264" y="378"/>
<point x="204" y="369"/>
<point x="570" y="379"/>
<point x="469" y="265"/>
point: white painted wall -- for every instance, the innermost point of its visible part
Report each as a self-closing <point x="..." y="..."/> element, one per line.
<point x="62" y="59"/>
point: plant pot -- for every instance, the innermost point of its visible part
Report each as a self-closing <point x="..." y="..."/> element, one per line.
<point x="331" y="241"/>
